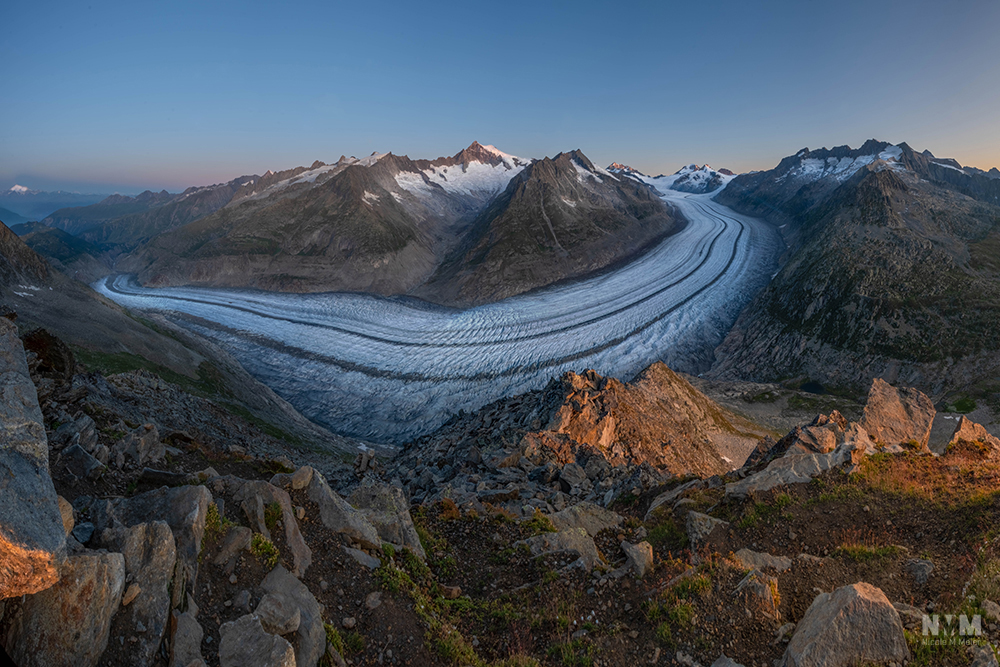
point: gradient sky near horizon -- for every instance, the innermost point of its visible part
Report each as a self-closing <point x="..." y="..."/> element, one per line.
<point x="105" y="97"/>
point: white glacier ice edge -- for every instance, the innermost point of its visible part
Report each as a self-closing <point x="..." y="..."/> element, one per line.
<point x="391" y="369"/>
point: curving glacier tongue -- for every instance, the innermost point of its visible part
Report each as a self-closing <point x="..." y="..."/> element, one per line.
<point x="391" y="369"/>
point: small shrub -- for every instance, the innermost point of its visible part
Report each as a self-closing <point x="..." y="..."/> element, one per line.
<point x="263" y="548"/>
<point x="861" y="553"/>
<point x="215" y="524"/>
<point x="539" y="524"/>
<point x="664" y="634"/>
<point x="682" y="613"/>
<point x="449" y="510"/>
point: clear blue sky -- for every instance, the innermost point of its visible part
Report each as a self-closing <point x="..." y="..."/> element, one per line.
<point x="124" y="96"/>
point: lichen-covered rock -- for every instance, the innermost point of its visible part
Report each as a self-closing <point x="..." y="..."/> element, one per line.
<point x="639" y="557"/>
<point x="141" y="445"/>
<point x="760" y="594"/>
<point x="186" y="636"/>
<point x="278" y="613"/>
<point x="896" y="416"/>
<point x="68" y="624"/>
<point x="854" y="625"/>
<point x="795" y="469"/>
<point x="32" y="534"/>
<point x="762" y="561"/>
<point x="387" y="510"/>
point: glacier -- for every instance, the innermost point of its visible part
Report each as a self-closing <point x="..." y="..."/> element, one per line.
<point x="389" y="369"/>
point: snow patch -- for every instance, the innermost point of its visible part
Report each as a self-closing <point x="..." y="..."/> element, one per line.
<point x="475" y="177"/>
<point x="582" y="173"/>
<point x="371" y="196"/>
<point x="20" y="189"/>
<point x="568" y="202"/>
<point x="948" y="166"/>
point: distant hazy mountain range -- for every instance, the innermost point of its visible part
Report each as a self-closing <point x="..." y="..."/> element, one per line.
<point x="36" y="204"/>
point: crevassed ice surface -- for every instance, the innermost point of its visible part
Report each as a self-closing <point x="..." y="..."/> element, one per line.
<point x="391" y="369"/>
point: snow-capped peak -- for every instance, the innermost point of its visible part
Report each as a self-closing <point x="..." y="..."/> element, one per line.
<point x="20" y="189"/>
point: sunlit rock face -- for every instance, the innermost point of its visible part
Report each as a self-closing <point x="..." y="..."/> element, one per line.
<point x="32" y="537"/>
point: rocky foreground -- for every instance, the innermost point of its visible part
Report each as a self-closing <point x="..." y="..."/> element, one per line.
<point x="139" y="525"/>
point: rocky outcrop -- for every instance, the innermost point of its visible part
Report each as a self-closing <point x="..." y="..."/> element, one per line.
<point x="32" y="535"/>
<point x="337" y="515"/>
<point x="854" y="624"/>
<point x="968" y="431"/>
<point x="897" y="416"/>
<point x="252" y="497"/>
<point x="574" y="542"/>
<point x="68" y="624"/>
<point x="386" y="508"/>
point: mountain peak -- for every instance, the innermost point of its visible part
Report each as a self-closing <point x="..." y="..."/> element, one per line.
<point x="20" y="189"/>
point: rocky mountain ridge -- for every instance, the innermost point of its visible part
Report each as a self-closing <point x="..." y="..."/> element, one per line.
<point x="890" y="273"/>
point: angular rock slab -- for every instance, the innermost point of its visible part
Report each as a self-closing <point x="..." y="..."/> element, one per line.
<point x="186" y="635"/>
<point x="592" y="518"/>
<point x="760" y="592"/>
<point x="894" y="416"/>
<point x="640" y="557"/>
<point x="795" y="469"/>
<point x="387" y="510"/>
<point x="246" y="644"/>
<point x="969" y="431"/>
<point x="310" y="637"/>
<point x="854" y="625"/>
<point x="32" y="535"/>
<point x="337" y="515"/>
<point x="68" y="624"/>
<point x="150" y="557"/>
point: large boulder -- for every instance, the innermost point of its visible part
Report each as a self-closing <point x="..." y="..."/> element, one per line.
<point x="592" y="518"/>
<point x="150" y="557"/>
<point x="574" y="542"/>
<point x="310" y="637"/>
<point x="32" y="537"/>
<point x="897" y="416"/>
<point x="387" y="510"/>
<point x="246" y="644"/>
<point x="68" y="624"/>
<point x="337" y="515"/>
<point x="854" y="625"/>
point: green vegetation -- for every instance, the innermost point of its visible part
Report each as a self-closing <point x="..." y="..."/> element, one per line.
<point x="346" y="644"/>
<point x="667" y="535"/>
<point x="574" y="653"/>
<point x="272" y="512"/>
<point x="964" y="405"/>
<point x="538" y="524"/>
<point x="264" y="549"/>
<point x="215" y="524"/>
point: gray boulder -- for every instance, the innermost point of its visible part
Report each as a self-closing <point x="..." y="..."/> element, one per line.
<point x="590" y="517"/>
<point x="671" y="495"/>
<point x="185" y="644"/>
<point x="755" y="560"/>
<point x="640" y="557"/>
<point x="337" y="515"/>
<point x="795" y="469"/>
<point x="760" y="593"/>
<point x="68" y="624"/>
<point x="573" y="541"/>
<point x="278" y="613"/>
<point x="387" y="510"/>
<point x="32" y="535"/>
<point x="854" y="625"/>
<point x="246" y="644"/>
<point x="310" y="637"/>
<point x="298" y="480"/>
